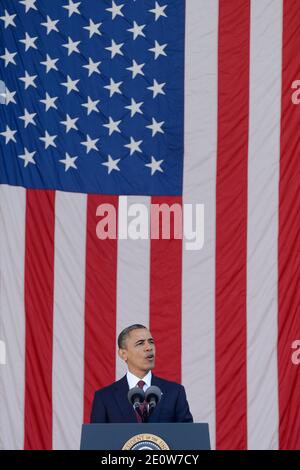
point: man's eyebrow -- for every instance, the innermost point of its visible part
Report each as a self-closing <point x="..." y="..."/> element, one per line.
<point x="143" y="340"/>
<point x="140" y="341"/>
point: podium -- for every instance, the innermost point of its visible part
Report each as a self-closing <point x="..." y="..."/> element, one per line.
<point x="150" y="436"/>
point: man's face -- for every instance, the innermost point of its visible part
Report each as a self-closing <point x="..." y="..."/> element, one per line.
<point x="139" y="352"/>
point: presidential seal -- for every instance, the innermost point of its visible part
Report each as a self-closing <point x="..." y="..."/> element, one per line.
<point x="145" y="442"/>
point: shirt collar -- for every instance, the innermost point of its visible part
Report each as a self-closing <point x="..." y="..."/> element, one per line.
<point x="133" y="380"/>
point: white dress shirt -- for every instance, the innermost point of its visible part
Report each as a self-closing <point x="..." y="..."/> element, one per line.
<point x="133" y="380"/>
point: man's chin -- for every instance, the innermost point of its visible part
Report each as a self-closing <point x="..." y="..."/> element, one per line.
<point x="150" y="365"/>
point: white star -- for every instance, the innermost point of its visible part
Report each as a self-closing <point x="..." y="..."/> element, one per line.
<point x="8" y="57"/>
<point x="159" y="11"/>
<point x="135" y="107"/>
<point x="92" y="67"/>
<point x="70" y="84"/>
<point x="48" y="140"/>
<point x="136" y="69"/>
<point x="29" y="42"/>
<point x="134" y="146"/>
<point x="115" y="48"/>
<point x="8" y="19"/>
<point x="114" y="87"/>
<point x="69" y="162"/>
<point x="112" y="164"/>
<point x="90" y="144"/>
<point x="72" y="46"/>
<point x="28" y="118"/>
<point x="9" y="96"/>
<point x="93" y="28"/>
<point x="137" y="30"/>
<point x="113" y="126"/>
<point x="115" y="10"/>
<point x="50" y="64"/>
<point x="49" y="102"/>
<point x="155" y="166"/>
<point x="158" y="50"/>
<point x="70" y="123"/>
<point x="27" y="157"/>
<point x="9" y="134"/>
<point x="29" y="4"/>
<point x="50" y="25"/>
<point x="28" y="80"/>
<point x="72" y="7"/>
<point x="156" y="127"/>
<point x="91" y="106"/>
<point x="157" y="88"/>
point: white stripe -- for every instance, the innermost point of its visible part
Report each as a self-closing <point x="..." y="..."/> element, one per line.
<point x="198" y="296"/>
<point x="68" y="335"/>
<point x="132" y="279"/>
<point x="12" y="316"/>
<point x="263" y="180"/>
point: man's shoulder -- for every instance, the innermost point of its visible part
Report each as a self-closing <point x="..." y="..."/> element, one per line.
<point x="167" y="384"/>
<point x="108" y="389"/>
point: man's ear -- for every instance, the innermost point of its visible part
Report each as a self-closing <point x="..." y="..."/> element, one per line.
<point x="122" y="354"/>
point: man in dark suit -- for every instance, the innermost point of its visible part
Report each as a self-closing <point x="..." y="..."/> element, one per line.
<point x="110" y="405"/>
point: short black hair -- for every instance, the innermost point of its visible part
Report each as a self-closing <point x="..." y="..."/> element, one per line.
<point x="124" y="334"/>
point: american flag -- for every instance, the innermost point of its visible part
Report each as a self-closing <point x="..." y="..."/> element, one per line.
<point x="161" y="101"/>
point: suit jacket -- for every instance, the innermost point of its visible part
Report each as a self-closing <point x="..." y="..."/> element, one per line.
<point x="111" y="405"/>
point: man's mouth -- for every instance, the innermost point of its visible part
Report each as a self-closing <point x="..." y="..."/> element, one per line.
<point x="150" y="356"/>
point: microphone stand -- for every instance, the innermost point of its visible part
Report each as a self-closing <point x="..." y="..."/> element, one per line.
<point x="145" y="415"/>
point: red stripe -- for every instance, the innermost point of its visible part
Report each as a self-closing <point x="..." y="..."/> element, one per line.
<point x="289" y="239"/>
<point x="100" y="305"/>
<point x="39" y="281"/>
<point x="165" y="300"/>
<point x="231" y="224"/>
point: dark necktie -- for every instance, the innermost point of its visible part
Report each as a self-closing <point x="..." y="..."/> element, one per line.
<point x="143" y="406"/>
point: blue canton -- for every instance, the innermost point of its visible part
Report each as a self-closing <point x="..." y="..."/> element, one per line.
<point x="92" y="95"/>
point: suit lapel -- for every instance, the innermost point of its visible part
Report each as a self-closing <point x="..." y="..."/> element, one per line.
<point x="154" y="416"/>
<point x="120" y="395"/>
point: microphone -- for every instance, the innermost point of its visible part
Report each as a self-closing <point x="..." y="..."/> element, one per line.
<point x="152" y="396"/>
<point x="136" y="397"/>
